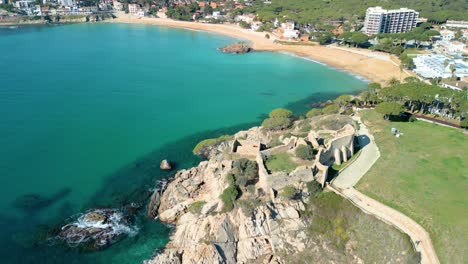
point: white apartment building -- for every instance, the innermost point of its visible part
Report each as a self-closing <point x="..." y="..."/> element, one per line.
<point x="434" y="66"/>
<point x="456" y="24"/>
<point x="379" y="20"/>
<point x="133" y="8"/>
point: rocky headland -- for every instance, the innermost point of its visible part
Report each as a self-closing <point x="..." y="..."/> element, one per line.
<point x="244" y="205"/>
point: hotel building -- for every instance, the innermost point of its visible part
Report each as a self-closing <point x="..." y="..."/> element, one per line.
<point x="379" y="20"/>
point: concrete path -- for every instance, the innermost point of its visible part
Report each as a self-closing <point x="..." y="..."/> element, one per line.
<point x="369" y="155"/>
<point x="344" y="183"/>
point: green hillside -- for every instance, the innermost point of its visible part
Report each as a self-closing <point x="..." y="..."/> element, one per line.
<point x="315" y="11"/>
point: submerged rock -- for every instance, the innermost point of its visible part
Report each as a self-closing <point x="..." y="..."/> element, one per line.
<point x="165" y="165"/>
<point x="97" y="229"/>
<point x="237" y="48"/>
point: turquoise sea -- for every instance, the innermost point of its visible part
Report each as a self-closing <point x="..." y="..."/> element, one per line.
<point x="89" y="110"/>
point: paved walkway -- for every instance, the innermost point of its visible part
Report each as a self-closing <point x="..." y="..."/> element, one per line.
<point x="368" y="156"/>
<point x="344" y="183"/>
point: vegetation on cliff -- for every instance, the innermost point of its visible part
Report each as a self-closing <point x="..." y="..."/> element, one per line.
<point x="203" y="147"/>
<point x="278" y="119"/>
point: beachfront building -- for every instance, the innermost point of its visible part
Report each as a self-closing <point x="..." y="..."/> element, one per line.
<point x="379" y="20"/>
<point x="456" y="24"/>
<point x="288" y="31"/>
<point x="439" y="66"/>
<point x="117" y="6"/>
<point x="247" y="18"/>
<point x="133" y="9"/>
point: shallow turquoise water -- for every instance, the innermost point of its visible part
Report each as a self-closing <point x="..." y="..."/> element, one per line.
<point x="91" y="109"/>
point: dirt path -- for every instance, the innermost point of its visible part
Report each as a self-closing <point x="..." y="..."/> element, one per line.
<point x="344" y="186"/>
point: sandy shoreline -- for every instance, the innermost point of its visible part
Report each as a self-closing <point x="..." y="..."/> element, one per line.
<point x="374" y="66"/>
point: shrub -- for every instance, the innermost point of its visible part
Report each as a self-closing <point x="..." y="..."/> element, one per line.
<point x="278" y="119"/>
<point x="314" y="188"/>
<point x="331" y="109"/>
<point x="280" y="113"/>
<point x="241" y="180"/>
<point x="229" y="194"/>
<point x="248" y="206"/>
<point x="204" y="145"/>
<point x="314" y="112"/>
<point x="304" y="152"/>
<point x="464" y="123"/>
<point x="196" y="207"/>
<point x="246" y="167"/>
<point x="276" y="123"/>
<point x="244" y="24"/>
<point x="374" y="86"/>
<point x="288" y="192"/>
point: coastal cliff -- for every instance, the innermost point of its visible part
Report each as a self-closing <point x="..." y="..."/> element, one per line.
<point x="223" y="213"/>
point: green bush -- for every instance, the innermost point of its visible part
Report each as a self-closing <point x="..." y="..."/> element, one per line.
<point x="229" y="194"/>
<point x="280" y="113"/>
<point x="196" y="207"/>
<point x="288" y="192"/>
<point x="374" y="86"/>
<point x="314" y="188"/>
<point x="246" y="167"/>
<point x="244" y="24"/>
<point x="278" y="119"/>
<point x="464" y="123"/>
<point x="241" y="181"/>
<point x="331" y="109"/>
<point x="207" y="143"/>
<point x="276" y="123"/>
<point x="304" y="152"/>
<point x="314" y="112"/>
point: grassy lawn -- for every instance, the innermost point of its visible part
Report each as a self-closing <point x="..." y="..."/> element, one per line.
<point x="423" y="174"/>
<point x="280" y="162"/>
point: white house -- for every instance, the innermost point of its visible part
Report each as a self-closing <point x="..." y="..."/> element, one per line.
<point x="447" y="35"/>
<point x="248" y="18"/>
<point x="116" y="5"/>
<point x="288" y="30"/>
<point x="434" y="66"/>
<point x="66" y="3"/>
<point x="133" y="9"/>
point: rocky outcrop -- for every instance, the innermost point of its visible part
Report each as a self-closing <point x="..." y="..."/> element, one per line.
<point x="237" y="48"/>
<point x="165" y="165"/>
<point x="97" y="229"/>
<point x="214" y="236"/>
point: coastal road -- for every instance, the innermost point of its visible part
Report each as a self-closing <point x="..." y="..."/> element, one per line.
<point x="344" y="186"/>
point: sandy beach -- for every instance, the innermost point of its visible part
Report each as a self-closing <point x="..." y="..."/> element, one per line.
<point x="374" y="66"/>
